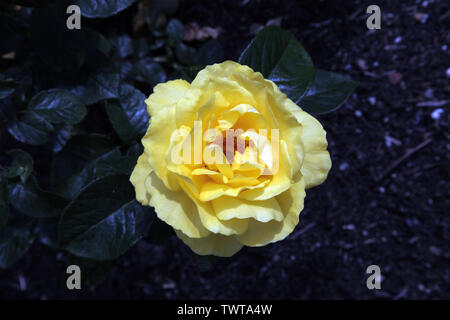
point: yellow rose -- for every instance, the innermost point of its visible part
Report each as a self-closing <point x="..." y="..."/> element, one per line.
<point x="251" y="195"/>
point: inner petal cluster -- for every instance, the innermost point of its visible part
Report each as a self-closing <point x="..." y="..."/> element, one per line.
<point x="227" y="151"/>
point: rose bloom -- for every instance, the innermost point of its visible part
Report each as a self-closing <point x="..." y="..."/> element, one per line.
<point x="230" y="190"/>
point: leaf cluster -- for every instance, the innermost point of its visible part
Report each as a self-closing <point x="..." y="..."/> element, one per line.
<point x="72" y="113"/>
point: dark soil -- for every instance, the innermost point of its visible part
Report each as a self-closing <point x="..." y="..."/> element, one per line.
<point x="372" y="209"/>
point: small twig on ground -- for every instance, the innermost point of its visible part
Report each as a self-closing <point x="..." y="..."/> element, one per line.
<point x="355" y="14"/>
<point x="303" y="231"/>
<point x="433" y="103"/>
<point x="445" y="16"/>
<point x="397" y="162"/>
<point x="372" y="74"/>
<point x="393" y="140"/>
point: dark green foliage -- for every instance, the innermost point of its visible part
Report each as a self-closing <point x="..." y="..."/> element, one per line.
<point x="278" y="55"/>
<point x="58" y="106"/>
<point x="21" y="165"/>
<point x="30" y="129"/>
<point x="128" y="114"/>
<point x="149" y="71"/>
<point x="15" y="240"/>
<point x="281" y="58"/>
<point x="32" y="201"/>
<point x="7" y="86"/>
<point x="327" y="92"/>
<point x="175" y="30"/>
<point x="4" y="202"/>
<point x="44" y="109"/>
<point x="75" y="101"/>
<point x="101" y="8"/>
<point x="104" y="220"/>
<point x="189" y="73"/>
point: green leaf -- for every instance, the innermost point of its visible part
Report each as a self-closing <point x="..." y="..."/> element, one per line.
<point x="156" y="45"/>
<point x="142" y="48"/>
<point x="14" y="243"/>
<point x="189" y="73"/>
<point x="146" y="70"/>
<point x="126" y="71"/>
<point x="32" y="201"/>
<point x="133" y="153"/>
<point x="104" y="220"/>
<point x="31" y="129"/>
<point x="185" y="54"/>
<point x="281" y="58"/>
<point x="77" y="154"/>
<point x="4" y="206"/>
<point x="59" y="139"/>
<point x="175" y="30"/>
<point x="47" y="232"/>
<point x="124" y="45"/>
<point x="47" y="107"/>
<point x="327" y="93"/>
<point x="128" y="114"/>
<point x="209" y="53"/>
<point x="101" y="83"/>
<point x="102" y="8"/>
<point x="58" y="106"/>
<point x="109" y="163"/>
<point x="21" y="165"/>
<point x="94" y="39"/>
<point x="7" y="87"/>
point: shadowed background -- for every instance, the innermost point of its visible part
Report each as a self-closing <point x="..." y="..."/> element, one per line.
<point x="385" y="201"/>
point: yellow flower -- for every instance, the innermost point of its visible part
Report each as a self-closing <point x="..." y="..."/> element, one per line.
<point x="219" y="198"/>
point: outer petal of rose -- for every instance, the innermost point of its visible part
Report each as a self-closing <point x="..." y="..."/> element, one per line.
<point x="271" y="103"/>
<point x="290" y="129"/>
<point x="220" y="77"/>
<point x="208" y="216"/>
<point x="175" y="208"/>
<point x="156" y="142"/>
<point x="227" y="208"/>
<point x="238" y="84"/>
<point x="140" y="173"/>
<point x="260" y="233"/>
<point x="189" y="104"/>
<point x="166" y="94"/>
<point x="215" y="244"/>
<point x="317" y="161"/>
